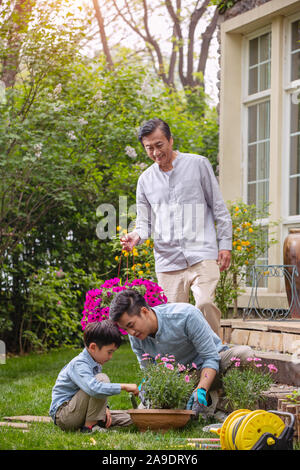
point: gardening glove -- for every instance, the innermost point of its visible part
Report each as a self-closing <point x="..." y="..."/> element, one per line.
<point x="197" y="401"/>
<point x="142" y="392"/>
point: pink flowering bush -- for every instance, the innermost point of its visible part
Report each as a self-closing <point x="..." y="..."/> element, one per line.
<point x="96" y="307"/>
<point x="165" y="383"/>
<point x="244" y="384"/>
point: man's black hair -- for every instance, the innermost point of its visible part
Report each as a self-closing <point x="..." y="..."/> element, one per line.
<point x="129" y="301"/>
<point x="102" y="333"/>
<point x="150" y="126"/>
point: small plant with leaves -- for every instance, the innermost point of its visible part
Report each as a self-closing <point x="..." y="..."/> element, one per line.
<point x="244" y="384"/>
<point x="166" y="384"/>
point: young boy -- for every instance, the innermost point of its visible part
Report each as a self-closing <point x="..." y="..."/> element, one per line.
<point x="79" y="396"/>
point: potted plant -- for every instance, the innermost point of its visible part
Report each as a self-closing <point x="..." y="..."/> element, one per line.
<point x="244" y="384"/>
<point x="166" y="388"/>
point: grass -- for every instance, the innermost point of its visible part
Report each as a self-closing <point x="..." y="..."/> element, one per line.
<point x="25" y="389"/>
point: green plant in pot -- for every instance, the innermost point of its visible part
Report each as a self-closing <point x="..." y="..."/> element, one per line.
<point x="165" y="390"/>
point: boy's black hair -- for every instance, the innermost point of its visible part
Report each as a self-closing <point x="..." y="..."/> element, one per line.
<point x="129" y="301"/>
<point x="150" y="126"/>
<point x="102" y="333"/>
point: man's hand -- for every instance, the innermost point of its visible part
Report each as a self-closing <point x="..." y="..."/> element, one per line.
<point x="224" y="259"/>
<point x="197" y="401"/>
<point x="130" y="388"/>
<point x="129" y="240"/>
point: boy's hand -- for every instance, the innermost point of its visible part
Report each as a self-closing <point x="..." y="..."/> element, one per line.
<point x="130" y="388"/>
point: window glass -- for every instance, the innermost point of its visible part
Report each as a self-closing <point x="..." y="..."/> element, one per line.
<point x="260" y="64"/>
<point x="294" y="195"/>
<point x="295" y="50"/>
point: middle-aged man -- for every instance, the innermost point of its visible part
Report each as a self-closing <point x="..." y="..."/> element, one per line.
<point x="179" y="329"/>
<point x="179" y="202"/>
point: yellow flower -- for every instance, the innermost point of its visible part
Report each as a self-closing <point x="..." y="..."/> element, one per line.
<point x="135" y="253"/>
<point x="126" y="254"/>
<point x="116" y="258"/>
<point x="237" y="209"/>
<point x="246" y="262"/>
<point x="245" y="243"/>
<point x="147" y="242"/>
<point x="140" y="273"/>
<point x="250" y="230"/>
<point x="133" y="267"/>
<point x="145" y="252"/>
<point x="124" y="230"/>
<point x="147" y="265"/>
<point x="238" y="229"/>
<point x="239" y="247"/>
<point x="234" y="243"/>
<point x="118" y="228"/>
<point x="148" y="271"/>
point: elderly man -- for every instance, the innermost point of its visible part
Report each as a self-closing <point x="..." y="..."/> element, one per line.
<point x="178" y="203"/>
<point x="179" y="329"/>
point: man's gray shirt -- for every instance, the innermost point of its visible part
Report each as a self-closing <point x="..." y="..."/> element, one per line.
<point x="179" y="209"/>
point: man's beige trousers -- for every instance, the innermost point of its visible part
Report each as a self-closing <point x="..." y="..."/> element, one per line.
<point x="72" y="415"/>
<point x="202" y="279"/>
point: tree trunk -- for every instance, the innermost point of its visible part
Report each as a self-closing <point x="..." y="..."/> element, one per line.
<point x="16" y="24"/>
<point x="103" y="37"/>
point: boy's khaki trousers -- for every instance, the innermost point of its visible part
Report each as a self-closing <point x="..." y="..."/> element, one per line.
<point x="202" y="279"/>
<point x="71" y="415"/>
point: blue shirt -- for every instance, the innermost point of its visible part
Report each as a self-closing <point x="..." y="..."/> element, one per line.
<point x="180" y="210"/>
<point x="79" y="374"/>
<point x="183" y="332"/>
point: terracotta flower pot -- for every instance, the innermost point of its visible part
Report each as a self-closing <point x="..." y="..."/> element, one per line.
<point x="291" y="256"/>
<point x="160" y="420"/>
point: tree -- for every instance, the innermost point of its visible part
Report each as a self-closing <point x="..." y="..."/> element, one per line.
<point x="189" y="47"/>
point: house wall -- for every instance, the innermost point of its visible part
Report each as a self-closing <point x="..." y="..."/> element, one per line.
<point x="242" y="20"/>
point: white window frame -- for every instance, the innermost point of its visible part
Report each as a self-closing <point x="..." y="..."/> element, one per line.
<point x="289" y="87"/>
<point x="248" y="100"/>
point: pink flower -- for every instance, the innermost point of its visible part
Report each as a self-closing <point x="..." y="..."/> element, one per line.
<point x="181" y="367"/>
<point x="169" y="366"/>
<point x="157" y="357"/>
<point x="145" y="355"/>
<point x="249" y="359"/>
<point x="256" y="359"/>
<point x="258" y="365"/>
<point x="194" y="365"/>
<point x="237" y="364"/>
<point x="187" y="378"/>
<point x="165" y="359"/>
<point x="272" y="368"/>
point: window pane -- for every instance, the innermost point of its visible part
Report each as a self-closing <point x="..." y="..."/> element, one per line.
<point x="295" y="66"/>
<point x="262" y="194"/>
<point x="294" y="196"/>
<point x="295" y="155"/>
<point x="294" y="158"/>
<point x="258" y="153"/>
<point x="295" y="117"/>
<point x="253" y="51"/>
<point x="296" y="35"/>
<point x="252" y="193"/>
<point x="259" y="64"/>
<point x="264" y="76"/>
<point x="263" y="160"/>
<point x="253" y="81"/>
<point x="264" y="121"/>
<point x="265" y="47"/>
<point x="252" y="163"/>
<point x="252" y="123"/>
<point x="295" y="47"/>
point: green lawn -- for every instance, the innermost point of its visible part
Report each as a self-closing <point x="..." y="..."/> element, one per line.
<point x="25" y="389"/>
